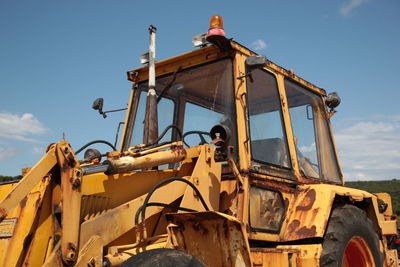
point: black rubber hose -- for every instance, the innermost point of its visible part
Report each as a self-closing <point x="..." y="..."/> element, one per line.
<point x="95" y="142"/>
<point x="159" y="204"/>
<point x="200" y="133"/>
<point x="164" y="132"/>
<point x="165" y="182"/>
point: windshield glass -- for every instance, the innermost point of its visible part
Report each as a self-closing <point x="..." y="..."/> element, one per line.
<point x="195" y="100"/>
<point x="315" y="152"/>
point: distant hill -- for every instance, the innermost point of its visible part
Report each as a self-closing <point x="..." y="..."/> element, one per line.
<point x="391" y="186"/>
<point x="9" y="178"/>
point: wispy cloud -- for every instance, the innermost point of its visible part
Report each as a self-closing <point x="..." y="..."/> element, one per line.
<point x="370" y="149"/>
<point x="20" y="127"/>
<point x="6" y="153"/>
<point x="350" y="5"/>
<point x="38" y="151"/>
<point x="258" y="45"/>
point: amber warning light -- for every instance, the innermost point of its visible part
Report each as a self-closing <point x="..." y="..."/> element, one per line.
<point x="216" y="26"/>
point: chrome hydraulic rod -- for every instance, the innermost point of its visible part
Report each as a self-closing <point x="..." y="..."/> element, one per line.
<point x="129" y="163"/>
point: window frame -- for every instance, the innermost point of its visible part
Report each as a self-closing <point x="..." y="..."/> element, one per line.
<point x="265" y="167"/>
<point x="317" y="136"/>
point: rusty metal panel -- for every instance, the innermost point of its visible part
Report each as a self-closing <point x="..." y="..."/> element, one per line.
<point x="308" y="213"/>
<point x="14" y="249"/>
<point x="214" y="238"/>
<point x="71" y="180"/>
<point x="310" y="209"/>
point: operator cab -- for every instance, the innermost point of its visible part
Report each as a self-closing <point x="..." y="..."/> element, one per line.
<point x="279" y="122"/>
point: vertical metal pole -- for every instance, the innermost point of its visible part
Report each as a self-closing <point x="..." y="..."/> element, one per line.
<point x="151" y="125"/>
<point x="152" y="58"/>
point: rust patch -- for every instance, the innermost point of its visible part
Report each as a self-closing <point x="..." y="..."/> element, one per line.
<point x="179" y="151"/>
<point x="198" y="227"/>
<point x="314" y="214"/>
<point x="293" y="226"/>
<point x="305" y="232"/>
<point x="308" y="201"/>
<point x="76" y="185"/>
<point x="64" y="167"/>
<point x="22" y="204"/>
<point x="3" y="214"/>
<point x="286" y="202"/>
<point x="273" y="185"/>
<point x="226" y="229"/>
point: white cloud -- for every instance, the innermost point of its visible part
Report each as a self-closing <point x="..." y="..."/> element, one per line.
<point x="20" y="128"/>
<point x="38" y="151"/>
<point x="259" y="45"/>
<point x="307" y="149"/>
<point x="348" y="7"/>
<point x="370" y="149"/>
<point x="6" y="153"/>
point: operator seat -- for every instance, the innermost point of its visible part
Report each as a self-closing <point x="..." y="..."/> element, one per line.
<point x="271" y="150"/>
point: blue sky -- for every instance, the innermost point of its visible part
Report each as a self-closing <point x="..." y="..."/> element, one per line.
<point x="56" y="57"/>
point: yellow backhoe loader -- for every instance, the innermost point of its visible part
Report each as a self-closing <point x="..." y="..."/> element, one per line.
<point x="226" y="159"/>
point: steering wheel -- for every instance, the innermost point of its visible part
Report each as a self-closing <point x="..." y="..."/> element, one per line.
<point x="199" y="133"/>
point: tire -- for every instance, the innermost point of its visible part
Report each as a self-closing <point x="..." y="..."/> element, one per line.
<point x="163" y="257"/>
<point x="350" y="240"/>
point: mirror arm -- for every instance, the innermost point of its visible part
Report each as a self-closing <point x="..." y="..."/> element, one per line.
<point x="109" y="111"/>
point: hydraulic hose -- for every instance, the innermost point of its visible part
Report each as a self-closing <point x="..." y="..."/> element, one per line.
<point x="95" y="142"/>
<point x="145" y="203"/>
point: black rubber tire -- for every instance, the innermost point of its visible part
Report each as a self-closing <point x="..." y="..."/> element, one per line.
<point x="345" y="223"/>
<point x="163" y="257"/>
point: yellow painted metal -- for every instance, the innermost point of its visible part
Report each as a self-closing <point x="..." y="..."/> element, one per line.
<point x="215" y="238"/>
<point x="42" y="239"/>
<point x="71" y="180"/>
<point x="22" y="189"/>
<point x="183" y="61"/>
<point x="266" y="257"/>
<point x="91" y="253"/>
<point x="114" y="223"/>
<point x="278" y="69"/>
<point x="243" y="134"/>
<point x="288" y="126"/>
<point x="308" y="255"/>
<point x="5" y="188"/>
<point x="54" y="259"/>
<point x="206" y="176"/>
<point x="127" y="118"/>
<point x="14" y="249"/>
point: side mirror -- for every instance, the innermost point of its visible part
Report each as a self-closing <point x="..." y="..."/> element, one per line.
<point x="98" y="105"/>
<point x="332" y="100"/>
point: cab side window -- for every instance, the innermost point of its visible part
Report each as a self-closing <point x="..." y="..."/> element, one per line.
<point x="268" y="139"/>
<point x="313" y="141"/>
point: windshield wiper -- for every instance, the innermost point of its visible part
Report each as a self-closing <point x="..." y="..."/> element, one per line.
<point x="169" y="85"/>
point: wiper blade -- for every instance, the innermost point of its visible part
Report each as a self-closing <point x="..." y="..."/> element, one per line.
<point x="168" y="86"/>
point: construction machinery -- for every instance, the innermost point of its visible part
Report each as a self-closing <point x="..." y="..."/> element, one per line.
<point x="226" y="159"/>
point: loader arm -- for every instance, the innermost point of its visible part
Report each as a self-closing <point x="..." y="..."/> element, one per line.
<point x="21" y="209"/>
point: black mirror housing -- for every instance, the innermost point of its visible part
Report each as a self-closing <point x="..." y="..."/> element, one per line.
<point x="98" y="105"/>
